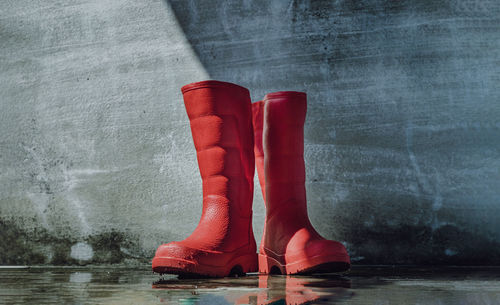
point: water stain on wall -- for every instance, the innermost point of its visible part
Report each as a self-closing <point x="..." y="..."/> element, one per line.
<point x="39" y="246"/>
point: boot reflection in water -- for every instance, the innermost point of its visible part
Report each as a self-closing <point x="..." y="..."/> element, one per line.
<point x="264" y="289"/>
<point x="290" y="244"/>
<point x="295" y="290"/>
<point x="220" y="116"/>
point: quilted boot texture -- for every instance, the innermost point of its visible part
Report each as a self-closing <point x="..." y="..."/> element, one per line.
<point x="220" y="116"/>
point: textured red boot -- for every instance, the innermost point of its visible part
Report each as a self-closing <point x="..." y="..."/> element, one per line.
<point x="223" y="242"/>
<point x="290" y="245"/>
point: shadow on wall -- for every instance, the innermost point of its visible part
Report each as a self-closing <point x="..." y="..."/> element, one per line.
<point x="402" y="147"/>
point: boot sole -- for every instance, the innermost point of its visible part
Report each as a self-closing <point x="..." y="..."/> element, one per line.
<point x="315" y="264"/>
<point x="238" y="266"/>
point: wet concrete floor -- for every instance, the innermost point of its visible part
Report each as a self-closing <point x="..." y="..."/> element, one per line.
<point x="362" y="285"/>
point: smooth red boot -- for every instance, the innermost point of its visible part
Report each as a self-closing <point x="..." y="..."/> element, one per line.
<point x="223" y="242"/>
<point x="290" y="245"/>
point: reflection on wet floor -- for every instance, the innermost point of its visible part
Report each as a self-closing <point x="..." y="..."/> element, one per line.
<point x="363" y="285"/>
<point x="264" y="289"/>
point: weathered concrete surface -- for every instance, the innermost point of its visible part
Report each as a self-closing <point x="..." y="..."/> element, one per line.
<point x="95" y="153"/>
<point x="402" y="137"/>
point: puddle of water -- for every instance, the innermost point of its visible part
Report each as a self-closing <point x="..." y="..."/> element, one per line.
<point x="364" y="285"/>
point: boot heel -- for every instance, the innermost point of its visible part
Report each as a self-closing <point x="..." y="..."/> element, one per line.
<point x="252" y="264"/>
<point x="269" y="265"/>
<point x="249" y="263"/>
<point x="243" y="264"/>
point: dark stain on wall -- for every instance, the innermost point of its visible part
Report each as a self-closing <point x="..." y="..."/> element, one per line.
<point x="39" y="247"/>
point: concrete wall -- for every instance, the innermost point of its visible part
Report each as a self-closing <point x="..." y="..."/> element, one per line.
<point x="402" y="136"/>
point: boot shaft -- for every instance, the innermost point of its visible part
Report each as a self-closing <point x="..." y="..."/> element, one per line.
<point x="283" y="146"/>
<point x="221" y="126"/>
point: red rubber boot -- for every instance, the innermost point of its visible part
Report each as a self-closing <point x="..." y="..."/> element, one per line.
<point x="290" y="245"/>
<point x="223" y="242"/>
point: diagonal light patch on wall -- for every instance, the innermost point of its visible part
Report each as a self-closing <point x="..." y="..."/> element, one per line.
<point x="92" y="90"/>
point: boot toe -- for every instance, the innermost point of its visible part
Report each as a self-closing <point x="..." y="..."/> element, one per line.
<point x="175" y="250"/>
<point x="324" y="247"/>
<point x="318" y="255"/>
<point x="172" y="257"/>
<point x="178" y="258"/>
